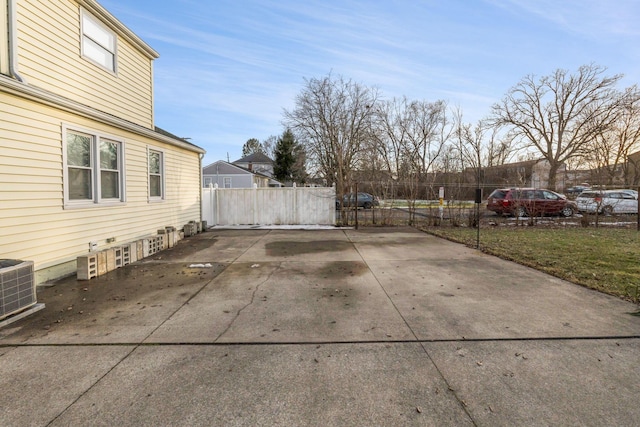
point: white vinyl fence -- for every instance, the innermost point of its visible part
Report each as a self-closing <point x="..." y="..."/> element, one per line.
<point x="269" y="206"/>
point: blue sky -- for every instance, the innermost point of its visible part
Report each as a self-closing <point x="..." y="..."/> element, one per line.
<point x="228" y="68"/>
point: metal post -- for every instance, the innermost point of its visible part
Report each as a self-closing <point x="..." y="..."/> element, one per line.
<point x="356" y="205"/>
<point x="441" y="203"/>
<point x="478" y="201"/>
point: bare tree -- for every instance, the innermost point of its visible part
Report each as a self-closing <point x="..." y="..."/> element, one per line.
<point x="475" y="151"/>
<point x="611" y="147"/>
<point x="269" y="145"/>
<point x="427" y="132"/>
<point x="469" y="143"/>
<point x="411" y="135"/>
<point x="252" y="146"/>
<point x="390" y="135"/>
<point x="559" y="114"/>
<point x="332" y="118"/>
<point x="500" y="147"/>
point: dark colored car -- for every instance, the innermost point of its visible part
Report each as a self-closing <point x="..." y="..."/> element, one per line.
<point x="575" y="191"/>
<point x="529" y="202"/>
<point x="365" y="200"/>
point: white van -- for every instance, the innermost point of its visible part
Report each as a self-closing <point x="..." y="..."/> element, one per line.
<point x="608" y="202"/>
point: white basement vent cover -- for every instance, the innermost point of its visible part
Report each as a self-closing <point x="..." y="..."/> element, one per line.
<point x="17" y="287"/>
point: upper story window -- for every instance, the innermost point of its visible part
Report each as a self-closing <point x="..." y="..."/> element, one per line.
<point x="94" y="169"/>
<point x="98" y="42"/>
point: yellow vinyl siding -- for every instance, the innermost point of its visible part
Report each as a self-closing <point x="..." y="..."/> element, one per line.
<point x="33" y="222"/>
<point x="49" y="57"/>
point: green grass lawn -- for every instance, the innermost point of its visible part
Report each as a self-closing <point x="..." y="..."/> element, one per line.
<point x="599" y="258"/>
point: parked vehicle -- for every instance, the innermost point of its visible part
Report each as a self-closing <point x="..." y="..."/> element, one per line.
<point x="634" y="193"/>
<point x="365" y="201"/>
<point x="575" y="191"/>
<point x="529" y="201"/>
<point x="608" y="202"/>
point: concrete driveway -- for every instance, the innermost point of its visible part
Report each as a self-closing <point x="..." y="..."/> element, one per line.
<point x="375" y="327"/>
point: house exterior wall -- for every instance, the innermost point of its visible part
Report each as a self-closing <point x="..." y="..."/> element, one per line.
<point x="49" y="57"/>
<point x="34" y="223"/>
<point x="221" y="171"/>
<point x="634" y="168"/>
<point x="237" y="180"/>
<point x="532" y="173"/>
<point x="45" y="216"/>
<point x="263" y="168"/>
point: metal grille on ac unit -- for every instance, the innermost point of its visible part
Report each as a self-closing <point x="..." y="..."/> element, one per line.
<point x="17" y="287"/>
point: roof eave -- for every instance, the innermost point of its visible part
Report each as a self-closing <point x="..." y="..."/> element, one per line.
<point x="16" y="88"/>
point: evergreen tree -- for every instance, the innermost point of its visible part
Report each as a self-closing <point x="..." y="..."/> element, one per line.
<point x="289" y="162"/>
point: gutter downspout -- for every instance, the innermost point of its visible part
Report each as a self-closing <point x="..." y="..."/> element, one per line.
<point x="13" y="41"/>
<point x="201" y="184"/>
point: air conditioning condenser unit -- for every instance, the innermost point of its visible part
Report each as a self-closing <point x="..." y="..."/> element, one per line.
<point x="17" y="287"/>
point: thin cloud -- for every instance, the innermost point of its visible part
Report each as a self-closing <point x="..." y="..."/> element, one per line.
<point x="589" y="18"/>
<point x="227" y="69"/>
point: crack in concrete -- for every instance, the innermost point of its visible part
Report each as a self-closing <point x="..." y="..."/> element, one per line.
<point x="251" y="301"/>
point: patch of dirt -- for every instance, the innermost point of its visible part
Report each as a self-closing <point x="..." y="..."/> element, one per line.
<point x="133" y="287"/>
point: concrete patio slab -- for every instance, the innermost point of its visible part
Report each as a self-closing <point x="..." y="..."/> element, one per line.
<point x="288" y="245"/>
<point x="328" y="385"/>
<point x="219" y="246"/>
<point x="285" y="302"/>
<point x="542" y="383"/>
<point x="123" y="306"/>
<point x="404" y="243"/>
<point x="379" y="326"/>
<point x="39" y="383"/>
<point x="484" y="297"/>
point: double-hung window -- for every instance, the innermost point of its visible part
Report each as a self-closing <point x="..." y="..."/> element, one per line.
<point x="156" y="175"/>
<point x="94" y="168"/>
<point x="98" y="42"/>
<point x="110" y="169"/>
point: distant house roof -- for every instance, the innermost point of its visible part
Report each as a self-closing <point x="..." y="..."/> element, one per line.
<point x="170" y="135"/>
<point x="224" y="168"/>
<point x="255" y="158"/>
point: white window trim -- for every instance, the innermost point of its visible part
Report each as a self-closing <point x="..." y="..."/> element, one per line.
<point x="163" y="187"/>
<point x="97" y="200"/>
<point x="84" y="13"/>
<point x="224" y="182"/>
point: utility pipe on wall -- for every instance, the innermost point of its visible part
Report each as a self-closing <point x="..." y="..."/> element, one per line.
<point x="13" y="40"/>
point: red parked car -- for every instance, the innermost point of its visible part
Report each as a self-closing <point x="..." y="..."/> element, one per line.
<point x="530" y="202"/>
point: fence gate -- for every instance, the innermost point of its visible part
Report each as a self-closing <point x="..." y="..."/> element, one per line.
<point x="269" y="206"/>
